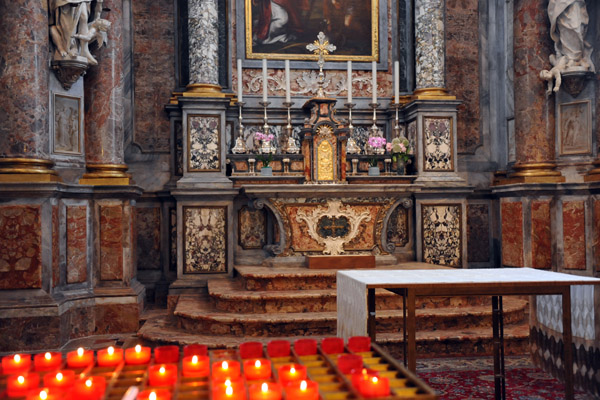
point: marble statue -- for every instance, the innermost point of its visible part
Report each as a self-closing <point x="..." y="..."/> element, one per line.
<point x="96" y="31"/>
<point x="568" y="26"/>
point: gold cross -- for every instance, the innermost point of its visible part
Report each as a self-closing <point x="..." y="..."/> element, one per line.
<point x="321" y="47"/>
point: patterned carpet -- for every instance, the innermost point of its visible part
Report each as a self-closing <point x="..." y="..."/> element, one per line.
<point x="473" y="379"/>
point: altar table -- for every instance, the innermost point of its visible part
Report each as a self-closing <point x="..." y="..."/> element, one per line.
<point x="356" y="303"/>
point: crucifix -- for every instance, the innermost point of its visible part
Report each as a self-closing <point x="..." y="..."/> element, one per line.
<point x="322" y="47"/>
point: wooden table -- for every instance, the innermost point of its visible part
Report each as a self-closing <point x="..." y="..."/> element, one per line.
<point x="356" y="303"/>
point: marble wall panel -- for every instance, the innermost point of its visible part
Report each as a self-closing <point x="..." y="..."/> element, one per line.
<point x="574" y="235"/>
<point x="178" y="148"/>
<point x="512" y="233"/>
<point x="596" y="233"/>
<point x="205" y="239"/>
<point x="442" y="234"/>
<point x="541" y="235"/>
<point x="76" y="258"/>
<point x="154" y="68"/>
<point x="116" y="318"/>
<point x="55" y="248"/>
<point x="397" y="228"/>
<point x="437" y="144"/>
<point x="147" y="228"/>
<point x="111" y="242"/>
<point x="252" y="228"/>
<point x="30" y="332"/>
<point x="20" y="247"/>
<point x="462" y="48"/>
<point x="204" y="153"/>
<point x="173" y="239"/>
<point x="478" y="232"/>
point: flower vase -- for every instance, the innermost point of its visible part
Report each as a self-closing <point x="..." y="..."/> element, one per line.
<point x="373" y="171"/>
<point x="401" y="166"/>
<point x="266" y="171"/>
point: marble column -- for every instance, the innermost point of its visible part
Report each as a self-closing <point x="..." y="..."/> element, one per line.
<point x="103" y="89"/>
<point x="430" y="57"/>
<point x="24" y="76"/>
<point x="203" y="33"/>
<point x="534" y="113"/>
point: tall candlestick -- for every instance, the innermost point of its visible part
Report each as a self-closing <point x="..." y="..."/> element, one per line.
<point x="264" y="65"/>
<point x="349" y="79"/>
<point x="239" y="71"/>
<point x="374" y="82"/>
<point x="397" y="82"/>
<point x="287" y="81"/>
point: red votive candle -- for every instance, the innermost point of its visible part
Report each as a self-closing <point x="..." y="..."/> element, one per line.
<point x="332" y="345"/>
<point x="110" y="357"/>
<point x="62" y="380"/>
<point x="305" y="347"/>
<point x="138" y="355"/>
<point x="291" y="373"/>
<point x="257" y="369"/>
<point x="348" y="362"/>
<point x="278" y="348"/>
<point x="265" y="391"/>
<point x="302" y="390"/>
<point x="91" y="388"/>
<point x="195" y="350"/>
<point x="223" y="370"/>
<point x="195" y="366"/>
<point x="162" y="375"/>
<point x="374" y="387"/>
<point x="159" y="394"/>
<point x="15" y="364"/>
<point x="362" y="374"/>
<point x="46" y="394"/>
<point x="47" y="361"/>
<point x="229" y="390"/>
<point x="166" y="355"/>
<point x="359" y="344"/>
<point x="80" y="358"/>
<point x="251" y="350"/>
<point x="21" y="385"/>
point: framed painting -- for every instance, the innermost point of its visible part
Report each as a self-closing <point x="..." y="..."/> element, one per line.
<point x="67" y="122"/>
<point x="281" y="29"/>
<point x="575" y="128"/>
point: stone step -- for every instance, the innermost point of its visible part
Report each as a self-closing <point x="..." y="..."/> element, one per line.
<point x="230" y="296"/>
<point x="466" y="342"/>
<point x="198" y="315"/>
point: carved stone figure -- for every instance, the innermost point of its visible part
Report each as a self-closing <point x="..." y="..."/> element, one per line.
<point x="96" y="31"/>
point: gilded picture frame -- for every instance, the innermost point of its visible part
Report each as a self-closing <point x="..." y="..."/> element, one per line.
<point x="351" y="25"/>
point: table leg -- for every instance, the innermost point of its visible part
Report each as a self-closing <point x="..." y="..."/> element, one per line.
<point x="567" y="340"/>
<point x="411" y="327"/>
<point x="498" y="343"/>
<point x="371" y="314"/>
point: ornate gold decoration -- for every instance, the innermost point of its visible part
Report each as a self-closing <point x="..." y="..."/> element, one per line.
<point x="22" y="170"/>
<point x="543" y="172"/>
<point x="321" y="47"/>
<point x="335" y="209"/>
<point x="325" y="161"/>
<point x="106" y="174"/>
<point x="174" y="97"/>
<point x="203" y="90"/>
<point x="432" y="94"/>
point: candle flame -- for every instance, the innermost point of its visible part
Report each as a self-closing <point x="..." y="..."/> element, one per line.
<point x="48" y="356"/>
<point x="162" y="370"/>
<point x="364" y="371"/>
<point x="152" y="396"/>
<point x="21" y="379"/>
<point x="195" y="360"/>
<point x="88" y="383"/>
<point x="59" y="376"/>
<point x="138" y="348"/>
<point x="110" y="350"/>
<point x="17" y="358"/>
<point x="374" y="379"/>
<point x="225" y="365"/>
<point x="229" y="391"/>
<point x="303" y="385"/>
<point x="80" y="351"/>
<point x="264" y="387"/>
<point x="257" y="364"/>
<point x="292" y="370"/>
<point x="227" y="382"/>
<point x="43" y="395"/>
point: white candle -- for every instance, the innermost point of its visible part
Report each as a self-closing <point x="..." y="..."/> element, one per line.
<point x="264" y="80"/>
<point x="287" y="81"/>
<point x="374" y="82"/>
<point x="239" y="66"/>
<point x="397" y="82"/>
<point x="349" y="81"/>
